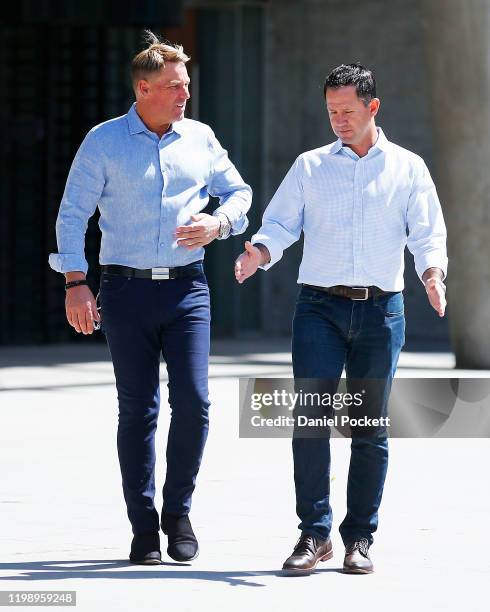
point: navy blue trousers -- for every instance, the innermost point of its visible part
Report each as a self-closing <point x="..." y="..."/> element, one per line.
<point x="142" y="320"/>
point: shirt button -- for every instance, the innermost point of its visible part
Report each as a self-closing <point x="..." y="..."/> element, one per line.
<point x="162" y="244"/>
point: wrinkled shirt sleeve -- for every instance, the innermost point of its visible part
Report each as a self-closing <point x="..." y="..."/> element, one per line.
<point x="427" y="234"/>
<point x="82" y="193"/>
<point x="282" y="221"/>
<point x="225" y="183"/>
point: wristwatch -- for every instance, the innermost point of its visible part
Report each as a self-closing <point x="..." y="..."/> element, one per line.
<point x="224" y="226"/>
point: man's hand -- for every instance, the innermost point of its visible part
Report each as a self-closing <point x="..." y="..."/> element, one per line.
<point x="247" y="263"/>
<point x="436" y="292"/>
<point x="81" y="310"/>
<point x="203" y="230"/>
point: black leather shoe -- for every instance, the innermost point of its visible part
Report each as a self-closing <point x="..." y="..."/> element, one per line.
<point x="145" y="549"/>
<point x="357" y="559"/>
<point x="306" y="555"/>
<point x="182" y="543"/>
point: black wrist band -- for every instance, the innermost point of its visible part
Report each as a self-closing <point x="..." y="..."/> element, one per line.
<point x="75" y="284"/>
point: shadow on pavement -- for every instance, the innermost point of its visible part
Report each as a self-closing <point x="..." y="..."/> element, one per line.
<point x="107" y="569"/>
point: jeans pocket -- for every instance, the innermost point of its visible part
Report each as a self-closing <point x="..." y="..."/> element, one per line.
<point x="391" y="305"/>
<point x="111" y="284"/>
<point x="311" y="296"/>
<point x="200" y="282"/>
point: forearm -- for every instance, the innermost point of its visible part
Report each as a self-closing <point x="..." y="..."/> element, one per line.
<point x="235" y="207"/>
<point x="70" y="238"/>
<point x="83" y="189"/>
<point x="225" y="183"/>
<point x="427" y="233"/>
<point x="73" y="276"/>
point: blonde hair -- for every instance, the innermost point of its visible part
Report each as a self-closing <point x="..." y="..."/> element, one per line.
<point x="153" y="58"/>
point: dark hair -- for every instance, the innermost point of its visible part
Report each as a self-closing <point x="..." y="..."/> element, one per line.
<point x="353" y="74"/>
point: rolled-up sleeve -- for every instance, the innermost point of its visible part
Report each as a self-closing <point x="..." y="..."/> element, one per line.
<point x="282" y="221"/>
<point x="427" y="234"/>
<point x="82" y="193"/>
<point x="235" y="196"/>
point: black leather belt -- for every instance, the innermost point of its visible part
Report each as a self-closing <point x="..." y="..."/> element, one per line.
<point x="159" y="273"/>
<point x="353" y="293"/>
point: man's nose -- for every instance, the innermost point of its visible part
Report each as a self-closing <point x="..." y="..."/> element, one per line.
<point x="183" y="95"/>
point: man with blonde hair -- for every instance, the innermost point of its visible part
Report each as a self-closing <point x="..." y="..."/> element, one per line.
<point x="150" y="173"/>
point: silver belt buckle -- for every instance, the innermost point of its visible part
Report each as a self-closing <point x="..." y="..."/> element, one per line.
<point x="366" y="294"/>
<point x="160" y="273"/>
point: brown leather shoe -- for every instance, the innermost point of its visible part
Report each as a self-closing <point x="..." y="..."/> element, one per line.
<point x="306" y="555"/>
<point x="357" y="559"/>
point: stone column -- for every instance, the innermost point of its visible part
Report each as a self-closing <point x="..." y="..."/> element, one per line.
<point x="457" y="46"/>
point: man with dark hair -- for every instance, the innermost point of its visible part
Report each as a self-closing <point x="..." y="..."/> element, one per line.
<point x="359" y="202"/>
<point x="150" y="172"/>
<point x="352" y="74"/>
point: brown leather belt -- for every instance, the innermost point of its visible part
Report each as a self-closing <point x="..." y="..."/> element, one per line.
<point x="353" y="293"/>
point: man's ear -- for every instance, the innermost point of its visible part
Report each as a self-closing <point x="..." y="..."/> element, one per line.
<point x="142" y="88"/>
<point x="374" y="106"/>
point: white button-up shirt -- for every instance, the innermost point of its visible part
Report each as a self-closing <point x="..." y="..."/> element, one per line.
<point x="357" y="215"/>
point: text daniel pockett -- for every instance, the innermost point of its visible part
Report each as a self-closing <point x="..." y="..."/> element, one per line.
<point x="282" y="420"/>
<point x="336" y="401"/>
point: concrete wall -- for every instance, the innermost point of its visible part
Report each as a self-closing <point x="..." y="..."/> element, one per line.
<point x="460" y="86"/>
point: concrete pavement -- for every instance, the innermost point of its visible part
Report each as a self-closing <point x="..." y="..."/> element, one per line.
<point x="63" y="523"/>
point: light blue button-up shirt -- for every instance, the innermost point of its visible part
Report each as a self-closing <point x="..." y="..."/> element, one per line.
<point x="357" y="215"/>
<point x="145" y="186"/>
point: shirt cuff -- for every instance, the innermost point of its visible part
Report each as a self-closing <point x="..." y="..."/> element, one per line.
<point x="239" y="222"/>
<point x="67" y="262"/>
<point x="274" y="249"/>
<point x="432" y="259"/>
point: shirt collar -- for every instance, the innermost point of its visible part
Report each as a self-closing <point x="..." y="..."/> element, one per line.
<point x="381" y="143"/>
<point x="335" y="148"/>
<point x="136" y="125"/>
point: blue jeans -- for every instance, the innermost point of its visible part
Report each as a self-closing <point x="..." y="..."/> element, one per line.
<point x="366" y="337"/>
<point x="143" y="319"/>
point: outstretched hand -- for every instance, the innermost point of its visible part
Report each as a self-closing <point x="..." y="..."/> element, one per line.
<point x="247" y="263"/>
<point x="436" y="292"/>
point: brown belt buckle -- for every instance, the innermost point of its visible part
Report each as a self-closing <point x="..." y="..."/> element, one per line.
<point x="366" y="294"/>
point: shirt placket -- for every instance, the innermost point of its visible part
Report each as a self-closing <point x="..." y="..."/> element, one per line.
<point x="163" y="248"/>
<point x="357" y="221"/>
